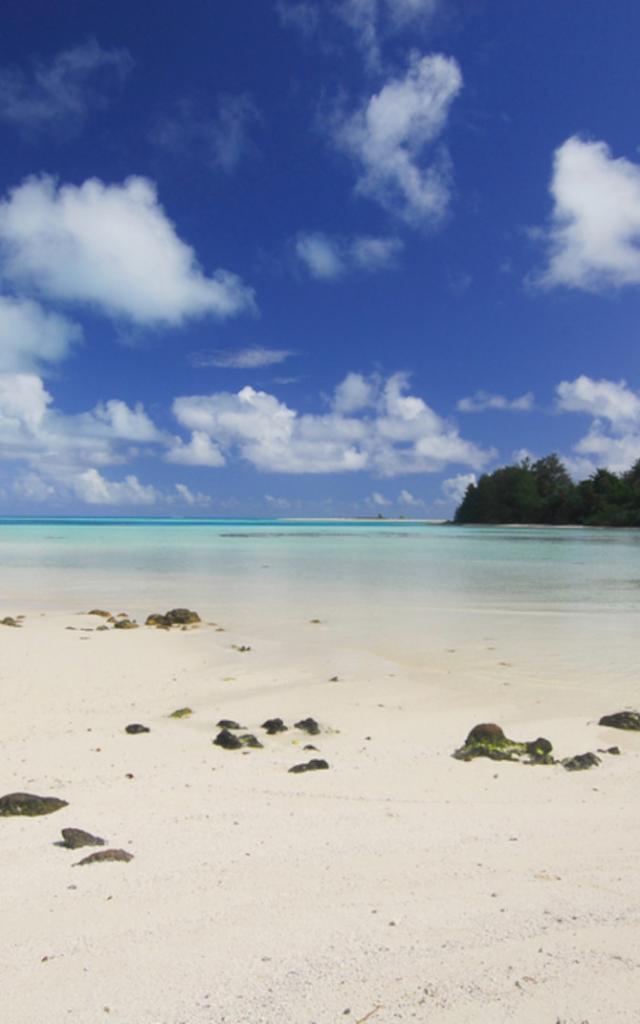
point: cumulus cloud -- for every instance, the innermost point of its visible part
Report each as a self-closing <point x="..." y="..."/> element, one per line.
<point x="29" y="336"/>
<point x="455" y="487"/>
<point x="190" y="497"/>
<point x="594" y="235"/>
<point x="602" y="399"/>
<point x="56" y="95"/>
<point x="393" y="433"/>
<point x="251" y="358"/>
<point x="112" y="247"/>
<point x="379" y="500"/>
<point x="219" y="138"/>
<point x="407" y="498"/>
<point x="200" y="451"/>
<point x="482" y="401"/>
<point x="392" y="137"/>
<point x="328" y="257"/>
<point x="92" y="488"/>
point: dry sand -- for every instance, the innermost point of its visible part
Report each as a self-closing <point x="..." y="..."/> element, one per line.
<point x="400" y="885"/>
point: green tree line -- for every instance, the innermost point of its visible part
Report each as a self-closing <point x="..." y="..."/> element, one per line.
<point x="543" y="492"/>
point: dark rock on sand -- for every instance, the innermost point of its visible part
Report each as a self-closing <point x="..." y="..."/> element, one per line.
<point x="181" y="713"/>
<point x="622" y="720"/>
<point x="227" y="740"/>
<point x="10" y="621"/>
<point x="125" y="624"/>
<point x="308" y="725"/>
<point x="314" y="765"/>
<point x="100" y="612"/>
<point x="74" y="838"/>
<point x="249" y="740"/>
<point x="158" y="620"/>
<point x="182" y="617"/>
<point x="228" y="723"/>
<point x="580" y="762"/>
<point x="136" y="728"/>
<point x="609" y="750"/>
<point x="274" y="725"/>
<point x="29" y="805"/>
<point x="105" y="855"/>
<point x="309" y="746"/>
<point x="488" y="740"/>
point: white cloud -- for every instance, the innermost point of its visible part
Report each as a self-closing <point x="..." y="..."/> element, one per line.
<point x="32" y="487"/>
<point x="29" y="336"/>
<point x="113" y="247"/>
<point x="605" y="399"/>
<point x="389" y="135"/>
<point x="220" y="137"/>
<point x="57" y="94"/>
<point x="251" y="358"/>
<point x="190" y="497"/>
<point x="123" y="422"/>
<point x="594" y="235"/>
<point x="200" y="451"/>
<point x="406" y="498"/>
<point x="280" y="504"/>
<point x="328" y="257"/>
<point x="599" y="449"/>
<point x="482" y="401"/>
<point x="23" y="403"/>
<point x="455" y="487"/>
<point x="393" y="432"/>
<point x="94" y="489"/>
<point x="379" y="500"/>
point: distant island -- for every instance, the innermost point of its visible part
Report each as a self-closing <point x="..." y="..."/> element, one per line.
<point x="543" y="493"/>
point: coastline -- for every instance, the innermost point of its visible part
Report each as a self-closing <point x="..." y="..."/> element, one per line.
<point x="399" y="883"/>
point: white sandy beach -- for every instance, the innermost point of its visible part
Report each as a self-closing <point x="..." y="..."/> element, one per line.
<point x="400" y="885"/>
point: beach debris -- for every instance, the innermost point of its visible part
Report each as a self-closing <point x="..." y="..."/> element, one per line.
<point x="100" y="612"/>
<point x="125" y="624"/>
<point x="181" y="713"/>
<point x="9" y="620"/>
<point x="105" y="855"/>
<point x="29" y="805"/>
<point x="228" y="741"/>
<point x="308" y="725"/>
<point x="243" y="648"/>
<point x="228" y="723"/>
<point x="273" y="726"/>
<point x="488" y="740"/>
<point x="314" y="765"/>
<point x="136" y="728"/>
<point x="74" y="838"/>
<point x="622" y="720"/>
<point x="580" y="762"/>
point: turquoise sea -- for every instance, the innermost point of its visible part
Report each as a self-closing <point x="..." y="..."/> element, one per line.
<point x="511" y="568"/>
<point x="566" y="600"/>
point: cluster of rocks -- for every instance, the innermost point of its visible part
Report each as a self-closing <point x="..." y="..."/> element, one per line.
<point x="489" y="740"/>
<point x="182" y="617"/>
<point x="231" y="737"/>
<point x="31" y="805"/>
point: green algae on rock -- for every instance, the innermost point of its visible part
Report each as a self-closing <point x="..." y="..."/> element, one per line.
<point x="181" y="713"/>
<point x="488" y="740"/>
<point x="29" y="805"/>
<point x="125" y="624"/>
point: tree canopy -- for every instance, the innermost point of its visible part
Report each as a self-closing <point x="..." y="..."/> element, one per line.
<point x="543" y="492"/>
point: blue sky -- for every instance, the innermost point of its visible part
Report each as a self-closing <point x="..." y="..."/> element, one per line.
<point x="313" y="256"/>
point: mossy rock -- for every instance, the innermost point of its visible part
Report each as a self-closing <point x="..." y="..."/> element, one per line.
<point x="228" y="741"/>
<point x="181" y="713"/>
<point x="10" y="621"/>
<point x="182" y="617"/>
<point x="489" y="740"/>
<point x="125" y="624"/>
<point x="136" y="728"/>
<point x="273" y="726"/>
<point x="158" y="620"/>
<point x="622" y="720"/>
<point x="29" y="805"/>
<point x="308" y="725"/>
<point x="100" y="612"/>
<point x="314" y="765"/>
<point x="229" y="723"/>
